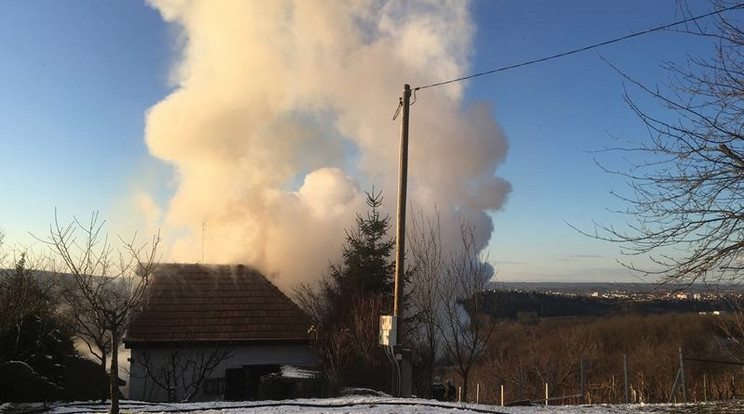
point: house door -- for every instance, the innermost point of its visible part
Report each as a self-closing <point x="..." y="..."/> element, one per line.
<point x="235" y="389"/>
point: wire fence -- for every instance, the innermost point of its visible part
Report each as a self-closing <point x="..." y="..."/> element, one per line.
<point x="687" y="379"/>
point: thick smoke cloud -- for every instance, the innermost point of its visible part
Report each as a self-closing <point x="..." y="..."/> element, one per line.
<point x="280" y="119"/>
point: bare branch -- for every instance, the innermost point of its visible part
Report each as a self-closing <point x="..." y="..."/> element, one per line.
<point x="686" y="185"/>
<point x="107" y="285"/>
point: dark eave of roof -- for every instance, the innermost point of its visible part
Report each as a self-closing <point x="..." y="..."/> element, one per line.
<point x="129" y="343"/>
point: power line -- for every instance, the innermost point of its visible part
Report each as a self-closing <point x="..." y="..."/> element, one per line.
<point x="582" y="49"/>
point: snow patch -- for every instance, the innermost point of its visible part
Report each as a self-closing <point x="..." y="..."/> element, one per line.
<point x="295" y="372"/>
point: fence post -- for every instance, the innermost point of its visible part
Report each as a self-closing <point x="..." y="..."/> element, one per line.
<point x="625" y="373"/>
<point x="682" y="375"/>
<point x="502" y="394"/>
<point x="477" y="393"/>
<point x="582" y="371"/>
<point x="522" y="381"/>
<point x="675" y="387"/>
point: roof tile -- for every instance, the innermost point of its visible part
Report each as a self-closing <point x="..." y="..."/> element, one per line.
<point x="188" y="302"/>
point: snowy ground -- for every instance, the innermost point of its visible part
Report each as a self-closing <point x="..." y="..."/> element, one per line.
<point x="366" y="405"/>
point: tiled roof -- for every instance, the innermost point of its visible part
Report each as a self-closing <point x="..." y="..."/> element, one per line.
<point x="188" y="302"/>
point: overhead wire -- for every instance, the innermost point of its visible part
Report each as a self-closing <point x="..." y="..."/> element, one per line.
<point x="581" y="49"/>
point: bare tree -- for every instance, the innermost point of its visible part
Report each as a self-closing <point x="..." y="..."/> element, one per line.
<point x="346" y="339"/>
<point x="448" y="314"/>
<point x="108" y="282"/>
<point x="465" y="328"/>
<point x="686" y="205"/>
<point x="2" y="251"/>
<point x="330" y="338"/>
<point x="732" y="328"/>
<point x="182" y="373"/>
<point x="425" y="250"/>
<point x="88" y="325"/>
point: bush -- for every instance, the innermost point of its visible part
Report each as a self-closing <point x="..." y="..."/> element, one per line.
<point x="20" y="383"/>
<point x="84" y="380"/>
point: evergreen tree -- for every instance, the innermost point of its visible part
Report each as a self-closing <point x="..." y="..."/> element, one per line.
<point x="347" y="306"/>
<point x="31" y="331"/>
<point x="367" y="268"/>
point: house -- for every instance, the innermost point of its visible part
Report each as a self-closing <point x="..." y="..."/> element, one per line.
<point x="208" y="332"/>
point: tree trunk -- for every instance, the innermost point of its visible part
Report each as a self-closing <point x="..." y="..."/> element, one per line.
<point x="429" y="377"/>
<point x="104" y="394"/>
<point x="465" y="386"/>
<point x="114" y="373"/>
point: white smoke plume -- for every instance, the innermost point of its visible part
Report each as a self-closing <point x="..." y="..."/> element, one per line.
<point x="281" y="118"/>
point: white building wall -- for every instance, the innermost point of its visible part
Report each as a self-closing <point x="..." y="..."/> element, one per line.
<point x="141" y="387"/>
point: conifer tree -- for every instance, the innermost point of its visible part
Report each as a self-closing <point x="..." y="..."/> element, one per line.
<point x="366" y="268"/>
<point x="347" y="304"/>
<point x="31" y="331"/>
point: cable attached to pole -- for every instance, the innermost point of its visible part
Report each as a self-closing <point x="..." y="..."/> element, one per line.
<point x="397" y="111"/>
<point x="581" y="49"/>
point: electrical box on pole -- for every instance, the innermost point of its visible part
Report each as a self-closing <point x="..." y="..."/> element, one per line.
<point x="388" y="330"/>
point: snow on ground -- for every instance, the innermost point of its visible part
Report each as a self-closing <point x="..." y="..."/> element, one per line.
<point x="367" y="405"/>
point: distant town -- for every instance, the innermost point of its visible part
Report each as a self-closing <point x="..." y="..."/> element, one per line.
<point x="555" y="299"/>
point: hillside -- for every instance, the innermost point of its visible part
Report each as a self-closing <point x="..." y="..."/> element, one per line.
<point x="514" y="304"/>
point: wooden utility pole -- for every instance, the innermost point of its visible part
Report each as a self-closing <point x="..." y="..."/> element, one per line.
<point x="400" y="217"/>
<point x="403" y="355"/>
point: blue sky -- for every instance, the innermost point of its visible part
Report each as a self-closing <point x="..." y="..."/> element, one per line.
<point x="76" y="79"/>
<point x="558" y="114"/>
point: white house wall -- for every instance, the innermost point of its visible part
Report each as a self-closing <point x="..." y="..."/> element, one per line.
<point x="141" y="387"/>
